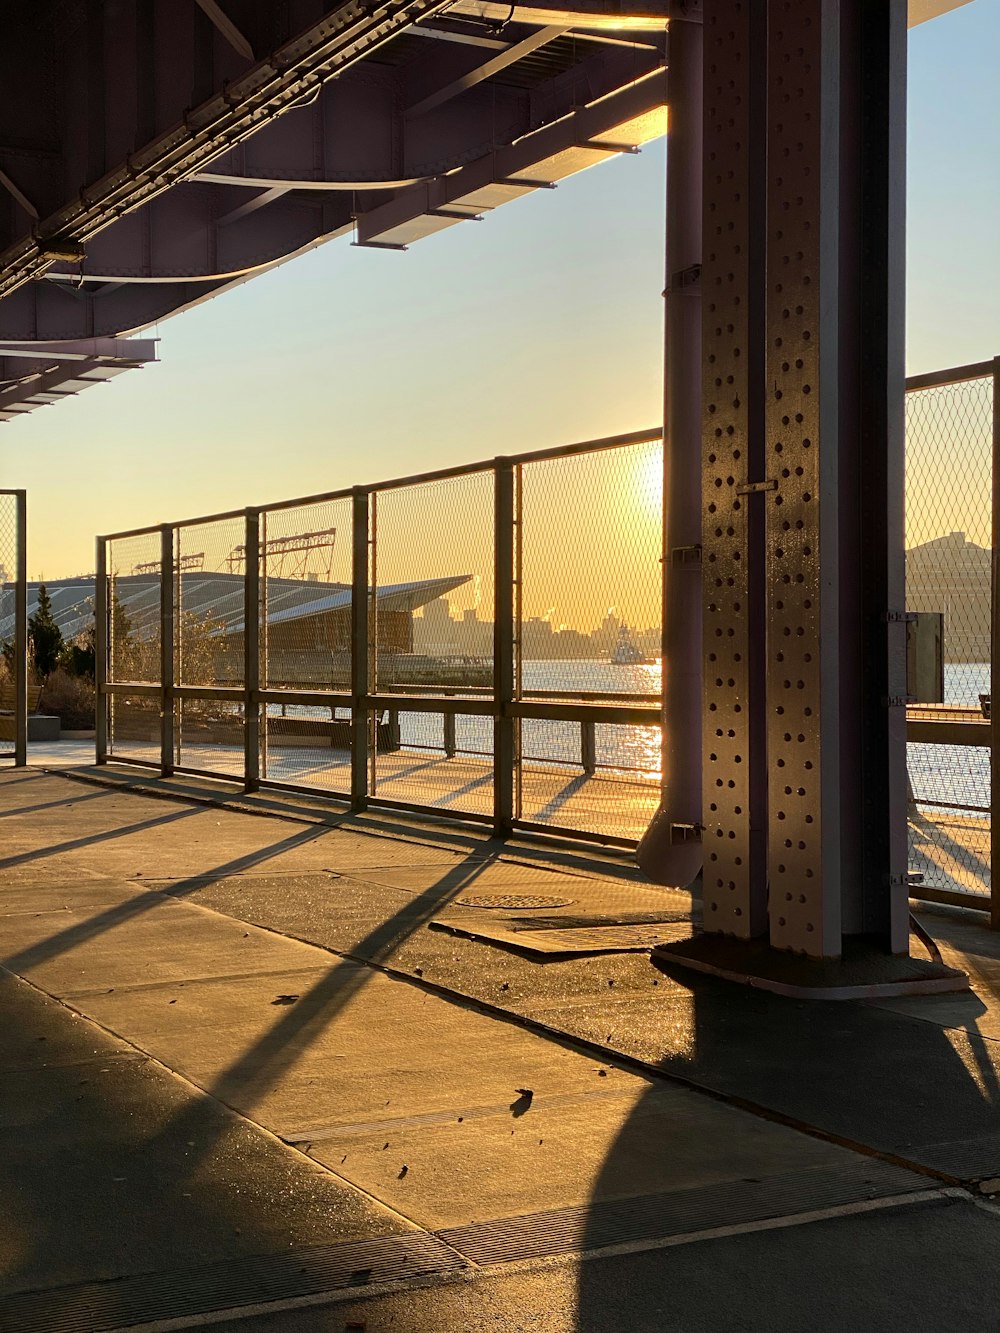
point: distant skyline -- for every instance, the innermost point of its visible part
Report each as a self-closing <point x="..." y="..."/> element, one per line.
<point x="540" y="326"/>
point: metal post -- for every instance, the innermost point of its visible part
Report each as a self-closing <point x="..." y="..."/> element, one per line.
<point x="671" y="851"/>
<point x="166" y="650"/>
<point x="360" y="677"/>
<point x="251" y="653"/>
<point x="503" y="648"/>
<point x="102" y="626"/>
<point x="262" y="646"/>
<point x="21" y="635"/>
<point x="995" y="652"/>
<point x="450" y="738"/>
<point x="588" y="747"/>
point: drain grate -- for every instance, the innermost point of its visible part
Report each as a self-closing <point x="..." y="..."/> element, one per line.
<point x="94" y="1307"/>
<point x="511" y="902"/>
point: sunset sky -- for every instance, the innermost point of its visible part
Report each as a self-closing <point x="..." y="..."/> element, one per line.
<point x="538" y="327"/>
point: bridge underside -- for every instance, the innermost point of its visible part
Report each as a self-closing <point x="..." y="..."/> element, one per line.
<point x="154" y="154"/>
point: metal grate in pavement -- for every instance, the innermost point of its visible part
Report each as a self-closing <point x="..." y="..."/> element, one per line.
<point x="511" y="901"/>
<point x="549" y="941"/>
<point x="93" y="1307"/>
<point x="660" y="1216"/>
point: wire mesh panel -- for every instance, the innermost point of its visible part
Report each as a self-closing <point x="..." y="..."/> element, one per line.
<point x="590" y="577"/>
<point x="308" y="746"/>
<point x="209" y="563"/>
<point x="588" y="777"/>
<point x="949" y="451"/>
<point x="442" y="760"/>
<point x="134" y="608"/>
<point x="433" y="578"/>
<point x="588" y="630"/>
<point x="209" y="560"/>
<point x="134" y="728"/>
<point x="305" y="596"/>
<point x="949" y="444"/>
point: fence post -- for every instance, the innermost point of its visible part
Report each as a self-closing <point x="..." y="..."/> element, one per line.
<point x="102" y="700"/>
<point x="21" y="635"/>
<point x="359" y="650"/>
<point x="167" y="611"/>
<point x="251" y="652"/>
<point x="995" y="651"/>
<point x="588" y="747"/>
<point x="450" y="736"/>
<point x="503" y="647"/>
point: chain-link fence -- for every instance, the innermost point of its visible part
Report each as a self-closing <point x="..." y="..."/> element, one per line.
<point x="482" y="642"/>
<point x="14" y="686"/>
<point x="950" y="455"/>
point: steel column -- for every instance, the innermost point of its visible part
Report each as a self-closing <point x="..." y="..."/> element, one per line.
<point x="360" y="665"/>
<point x="733" y="478"/>
<point x="504" y="725"/>
<point x="671" y="851"/>
<point x="102" y="626"/>
<point x="834" y="533"/>
<point x="251" y="653"/>
<point x="167" y="616"/>
<point x="21" y="635"/>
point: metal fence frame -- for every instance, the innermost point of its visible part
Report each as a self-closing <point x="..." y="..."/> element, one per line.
<point x="971" y="730"/>
<point x="20" y="752"/>
<point x="505" y="706"/>
<point x="364" y="699"/>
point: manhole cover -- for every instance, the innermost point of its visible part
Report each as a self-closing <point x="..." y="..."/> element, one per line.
<point x="511" y="901"/>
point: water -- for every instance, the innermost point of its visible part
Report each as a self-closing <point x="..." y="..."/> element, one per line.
<point x="953" y="775"/>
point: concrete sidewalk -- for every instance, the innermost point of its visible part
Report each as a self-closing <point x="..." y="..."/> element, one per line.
<point x="245" y="1070"/>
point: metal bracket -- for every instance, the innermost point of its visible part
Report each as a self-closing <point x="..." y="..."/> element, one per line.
<point x="685" y="555"/>
<point x="900" y="617"/>
<point x="685" y="833"/>
<point x="684" y="279"/>
<point x="378" y="245"/>
<point x="454" y="214"/>
<point x="756" y="487"/>
<point x="897" y="700"/>
<point x="527" y="183"/>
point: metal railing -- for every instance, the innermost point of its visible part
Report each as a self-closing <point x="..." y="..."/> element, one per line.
<point x="479" y="641"/>
<point x="245" y="644"/>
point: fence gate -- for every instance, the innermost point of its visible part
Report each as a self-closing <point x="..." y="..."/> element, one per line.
<point x="13" y="627"/>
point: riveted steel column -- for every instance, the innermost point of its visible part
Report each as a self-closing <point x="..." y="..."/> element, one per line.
<point x="21" y="634"/>
<point x="251" y="653"/>
<point x="503" y="648"/>
<point x="167" y="614"/>
<point x="360" y="666"/>
<point x="102" y="627"/>
<point x="733" y="478"/>
<point x="671" y="851"/>
<point x="834" y="404"/>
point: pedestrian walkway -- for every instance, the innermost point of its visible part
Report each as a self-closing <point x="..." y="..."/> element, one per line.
<point x="263" y="1064"/>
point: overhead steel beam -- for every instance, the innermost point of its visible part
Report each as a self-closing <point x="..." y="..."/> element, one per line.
<point x="485" y="71"/>
<point x="225" y="25"/>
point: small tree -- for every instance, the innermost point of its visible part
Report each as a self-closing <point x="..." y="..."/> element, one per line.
<point x="44" y="636"/>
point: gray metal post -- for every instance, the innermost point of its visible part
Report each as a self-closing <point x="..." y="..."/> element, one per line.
<point x="21" y="635"/>
<point x="360" y="667"/>
<point x="167" y="612"/>
<point x="450" y="734"/>
<point x="503" y="648"/>
<point x="995" y="654"/>
<point x="671" y="851"/>
<point x="588" y="747"/>
<point x="251" y="653"/>
<point x="102" y="626"/>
